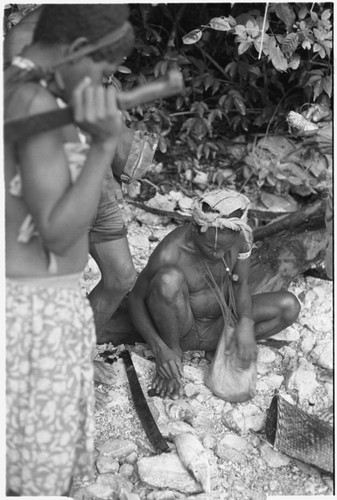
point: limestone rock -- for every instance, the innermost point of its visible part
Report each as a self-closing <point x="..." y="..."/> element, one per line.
<point x="165" y="495"/>
<point x="273" y="380"/>
<point x="142" y="365"/>
<point x="166" y="471"/>
<point x="290" y="334"/>
<point x="115" y="481"/>
<point x="194" y="374"/>
<point x="126" y="470"/>
<point x="273" y="458"/>
<point x="246" y="418"/>
<point x="266" y="355"/>
<point x="105" y="463"/>
<point x="322" y="355"/>
<point x="234" y="441"/>
<point x="232" y="447"/>
<point x="117" y="448"/>
<point x="308" y="341"/>
<point x="302" y="379"/>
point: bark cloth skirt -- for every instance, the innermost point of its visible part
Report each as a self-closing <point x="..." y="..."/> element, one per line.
<point x="49" y="384"/>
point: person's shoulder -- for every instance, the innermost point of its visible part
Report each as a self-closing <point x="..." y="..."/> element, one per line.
<point x="28" y="98"/>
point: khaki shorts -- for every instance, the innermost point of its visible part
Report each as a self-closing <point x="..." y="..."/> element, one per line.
<point x="109" y="223"/>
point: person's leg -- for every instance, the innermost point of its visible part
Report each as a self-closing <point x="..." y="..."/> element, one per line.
<point x="118" y="277"/>
<point x="169" y="307"/>
<point x="273" y="312"/>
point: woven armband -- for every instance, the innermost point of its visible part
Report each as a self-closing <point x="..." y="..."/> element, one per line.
<point x="242" y="256"/>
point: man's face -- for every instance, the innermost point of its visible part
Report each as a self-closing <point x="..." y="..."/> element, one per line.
<point x="215" y="243"/>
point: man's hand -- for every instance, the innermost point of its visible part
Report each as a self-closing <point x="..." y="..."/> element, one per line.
<point x="96" y="111"/>
<point x="245" y="338"/>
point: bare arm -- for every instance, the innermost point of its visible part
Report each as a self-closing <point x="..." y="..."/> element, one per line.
<point x="168" y="363"/>
<point x="245" y="335"/>
<point x="63" y="211"/>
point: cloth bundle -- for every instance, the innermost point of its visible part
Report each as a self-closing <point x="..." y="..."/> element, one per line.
<point x="224" y="377"/>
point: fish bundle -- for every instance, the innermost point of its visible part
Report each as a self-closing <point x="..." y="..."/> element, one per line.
<point x="193" y="456"/>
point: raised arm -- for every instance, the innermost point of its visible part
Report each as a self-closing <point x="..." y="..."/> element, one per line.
<point x="62" y="211"/>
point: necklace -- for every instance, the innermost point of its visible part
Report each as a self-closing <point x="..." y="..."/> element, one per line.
<point x="234" y="277"/>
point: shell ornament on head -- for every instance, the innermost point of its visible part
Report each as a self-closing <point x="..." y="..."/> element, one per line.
<point x="222" y="203"/>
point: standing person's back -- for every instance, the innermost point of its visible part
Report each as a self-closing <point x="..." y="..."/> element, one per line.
<point x="52" y="193"/>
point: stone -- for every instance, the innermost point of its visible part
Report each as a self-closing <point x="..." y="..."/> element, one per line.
<point x="142" y="365"/>
<point x="302" y="380"/>
<point x="230" y="455"/>
<point x="234" y="441"/>
<point x="308" y="341"/>
<point x="105" y="463"/>
<point x="126" y="470"/>
<point x="131" y="459"/>
<point x="266" y="355"/>
<point x="194" y="374"/>
<point x="322" y="355"/>
<point x="165" y="495"/>
<point x="115" y="481"/>
<point x="117" y="448"/>
<point x="273" y="458"/>
<point x="101" y="491"/>
<point x="167" y="471"/>
<point x="208" y="441"/>
<point x="290" y="334"/>
<point x="273" y="380"/>
<point x="191" y="389"/>
<point x="247" y="417"/>
<point x="231" y="448"/>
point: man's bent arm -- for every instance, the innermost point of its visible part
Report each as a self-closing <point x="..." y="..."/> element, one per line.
<point x="245" y="327"/>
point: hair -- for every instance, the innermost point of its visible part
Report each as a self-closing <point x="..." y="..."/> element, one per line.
<point x="63" y="23"/>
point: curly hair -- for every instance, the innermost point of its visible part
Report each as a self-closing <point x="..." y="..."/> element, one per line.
<point x="62" y="23"/>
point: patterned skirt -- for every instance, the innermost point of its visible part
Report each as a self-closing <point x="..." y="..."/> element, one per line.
<point x="49" y="384"/>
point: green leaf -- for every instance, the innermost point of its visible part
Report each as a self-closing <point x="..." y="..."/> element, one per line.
<point x="327" y="85"/>
<point x="192" y="37"/>
<point x="243" y="47"/>
<point x="279" y="61"/>
<point x="286" y="13"/>
<point x="240" y="30"/>
<point x="252" y="29"/>
<point x="290" y="44"/>
<point x="326" y="14"/>
<point x="124" y="69"/>
<point x="294" y="62"/>
<point x="220" y="24"/>
<point x="239" y="104"/>
<point x="303" y="12"/>
<point x="318" y="88"/>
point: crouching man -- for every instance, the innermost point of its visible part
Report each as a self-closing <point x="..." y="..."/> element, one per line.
<point x="196" y="277"/>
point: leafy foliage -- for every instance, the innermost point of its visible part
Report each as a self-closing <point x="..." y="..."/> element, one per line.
<point x="244" y="67"/>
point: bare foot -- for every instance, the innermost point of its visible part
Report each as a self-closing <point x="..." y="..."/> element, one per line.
<point x="165" y="387"/>
<point x="209" y="355"/>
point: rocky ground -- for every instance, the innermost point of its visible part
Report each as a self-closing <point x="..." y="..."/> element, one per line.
<point x="242" y="464"/>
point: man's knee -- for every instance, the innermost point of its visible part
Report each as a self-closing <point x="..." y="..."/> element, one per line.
<point x="166" y="284"/>
<point x="290" y="307"/>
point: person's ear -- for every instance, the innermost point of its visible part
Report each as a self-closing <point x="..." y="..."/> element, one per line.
<point x="77" y="45"/>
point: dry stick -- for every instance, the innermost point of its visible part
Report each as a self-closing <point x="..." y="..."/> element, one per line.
<point x="290" y="220"/>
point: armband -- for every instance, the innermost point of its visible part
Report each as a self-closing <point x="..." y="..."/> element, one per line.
<point x="242" y="256"/>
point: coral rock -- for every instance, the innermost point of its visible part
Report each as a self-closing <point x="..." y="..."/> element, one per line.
<point x="167" y="471"/>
